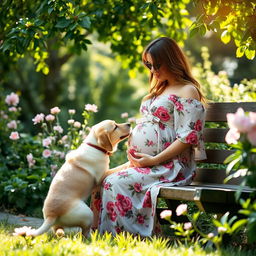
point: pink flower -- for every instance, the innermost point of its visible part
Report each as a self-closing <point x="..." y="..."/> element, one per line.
<point x="162" y="126"/>
<point x="58" y="128"/>
<point x="12" y="109"/>
<point x="49" y="118"/>
<point x="118" y="229"/>
<point x="91" y="108"/>
<point x="198" y="125"/>
<point x="38" y="118"/>
<point x="252" y="116"/>
<point x="167" y="144"/>
<point x="47" y="153"/>
<point x="124" y="115"/>
<point x="77" y="124"/>
<point x="251" y="136"/>
<point x="106" y="185"/>
<point x="181" y="209"/>
<point x="145" y="170"/>
<point x="30" y="160"/>
<point x="12" y="99"/>
<point x="173" y="98"/>
<point x="12" y="125"/>
<point x="55" y="110"/>
<point x="232" y="136"/>
<point x="239" y="121"/>
<point x="165" y="214"/>
<point x="179" y="106"/>
<point x="162" y="114"/>
<point x="140" y="219"/>
<point x="123" y="204"/>
<point x="47" y="142"/>
<point x="147" y="200"/>
<point x="71" y="111"/>
<point x="111" y="211"/>
<point x="192" y="138"/>
<point x="179" y="177"/>
<point x="169" y="165"/>
<point x="137" y="187"/>
<point x="14" y="136"/>
<point x="187" y="225"/>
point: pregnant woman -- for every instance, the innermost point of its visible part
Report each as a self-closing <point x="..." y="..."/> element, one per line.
<point x="162" y="148"/>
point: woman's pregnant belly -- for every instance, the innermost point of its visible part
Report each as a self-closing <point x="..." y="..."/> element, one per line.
<point x="144" y="139"/>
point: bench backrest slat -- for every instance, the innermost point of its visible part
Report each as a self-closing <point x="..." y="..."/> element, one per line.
<point x="216" y="112"/>
<point x="216" y="156"/>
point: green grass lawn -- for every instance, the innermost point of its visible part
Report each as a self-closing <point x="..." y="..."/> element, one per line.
<point x="104" y="245"/>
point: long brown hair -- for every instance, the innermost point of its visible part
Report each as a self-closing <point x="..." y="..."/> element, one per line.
<point x="166" y="51"/>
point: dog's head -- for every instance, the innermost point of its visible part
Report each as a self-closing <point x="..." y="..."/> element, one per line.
<point x="108" y="134"/>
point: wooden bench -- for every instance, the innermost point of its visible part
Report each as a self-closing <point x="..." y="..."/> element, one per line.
<point x="208" y="191"/>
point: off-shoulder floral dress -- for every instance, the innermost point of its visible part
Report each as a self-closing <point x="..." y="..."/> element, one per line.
<point x="128" y="198"/>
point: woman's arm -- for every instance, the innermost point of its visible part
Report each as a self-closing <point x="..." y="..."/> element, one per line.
<point x="170" y="152"/>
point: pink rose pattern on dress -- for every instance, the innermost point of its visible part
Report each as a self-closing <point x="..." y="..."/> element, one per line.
<point x="128" y="200"/>
<point x="162" y="114"/>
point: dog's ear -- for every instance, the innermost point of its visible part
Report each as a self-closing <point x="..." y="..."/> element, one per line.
<point x="103" y="139"/>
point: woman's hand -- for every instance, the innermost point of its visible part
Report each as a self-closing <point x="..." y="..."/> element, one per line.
<point x="141" y="160"/>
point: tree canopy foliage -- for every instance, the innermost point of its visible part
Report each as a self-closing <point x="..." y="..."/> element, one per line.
<point x="36" y="27"/>
<point x="232" y="19"/>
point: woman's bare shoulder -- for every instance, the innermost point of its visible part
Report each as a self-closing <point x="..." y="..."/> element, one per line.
<point x="189" y="91"/>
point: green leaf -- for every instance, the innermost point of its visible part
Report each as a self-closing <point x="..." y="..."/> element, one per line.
<point x="85" y="22"/>
<point x="193" y="31"/>
<point x="202" y="30"/>
<point x="240" y="51"/>
<point x="238" y="225"/>
<point x="62" y="23"/>
<point x="225" y="37"/>
<point x="250" y="54"/>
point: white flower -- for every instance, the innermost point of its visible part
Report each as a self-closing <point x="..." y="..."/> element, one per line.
<point x="55" y="110"/>
<point x="124" y="115"/>
<point x="77" y="124"/>
<point x="58" y="128"/>
<point x="91" y="107"/>
<point x="71" y="111"/>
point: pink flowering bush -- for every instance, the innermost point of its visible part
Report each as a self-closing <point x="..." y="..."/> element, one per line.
<point x="242" y="137"/>
<point x="28" y="163"/>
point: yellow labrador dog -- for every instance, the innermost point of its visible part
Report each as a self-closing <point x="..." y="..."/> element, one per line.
<point x="64" y="205"/>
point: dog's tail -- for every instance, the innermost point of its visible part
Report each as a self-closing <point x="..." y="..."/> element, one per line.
<point x="48" y="223"/>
